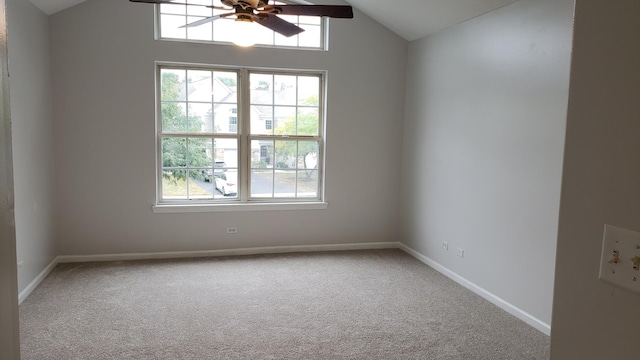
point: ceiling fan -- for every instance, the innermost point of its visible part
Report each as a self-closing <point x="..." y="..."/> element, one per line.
<point x="259" y="11"/>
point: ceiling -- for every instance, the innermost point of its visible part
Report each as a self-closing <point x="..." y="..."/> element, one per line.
<point x="411" y="19"/>
<point x="415" y="19"/>
<point x="53" y="6"/>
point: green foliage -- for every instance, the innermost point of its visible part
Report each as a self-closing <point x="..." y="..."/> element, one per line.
<point x="311" y="101"/>
<point x="307" y="124"/>
<point x="231" y="82"/>
<point x="175" y="151"/>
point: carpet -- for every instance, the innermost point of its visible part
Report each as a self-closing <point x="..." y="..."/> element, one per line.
<point x="370" y="304"/>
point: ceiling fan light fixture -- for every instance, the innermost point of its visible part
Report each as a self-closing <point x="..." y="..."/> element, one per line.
<point x="244" y="32"/>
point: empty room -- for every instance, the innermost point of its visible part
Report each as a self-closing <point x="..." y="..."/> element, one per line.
<point x="360" y="179"/>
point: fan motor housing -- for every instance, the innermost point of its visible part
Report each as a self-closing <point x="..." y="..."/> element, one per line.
<point x="231" y="3"/>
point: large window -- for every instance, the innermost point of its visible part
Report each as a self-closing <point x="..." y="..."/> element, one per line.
<point x="171" y="18"/>
<point x="239" y="135"/>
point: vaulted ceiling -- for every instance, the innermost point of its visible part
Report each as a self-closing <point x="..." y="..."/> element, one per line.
<point x="411" y="19"/>
<point x="415" y="19"/>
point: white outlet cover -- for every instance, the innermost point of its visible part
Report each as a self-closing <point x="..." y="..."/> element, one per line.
<point x="627" y="243"/>
<point x="460" y="252"/>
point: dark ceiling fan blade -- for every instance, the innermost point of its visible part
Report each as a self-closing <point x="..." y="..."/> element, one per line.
<point x="334" y="11"/>
<point x="170" y="2"/>
<point x="278" y="25"/>
<point x="153" y="1"/>
<point x="206" y="20"/>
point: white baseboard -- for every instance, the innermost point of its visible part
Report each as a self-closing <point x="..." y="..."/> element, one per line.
<point x="34" y="284"/>
<point x="227" y="252"/>
<point x="504" y="305"/>
<point x="195" y="254"/>
<point x="510" y="308"/>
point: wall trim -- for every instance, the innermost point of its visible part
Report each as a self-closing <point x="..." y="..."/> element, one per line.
<point x="228" y="252"/>
<point x="504" y="305"/>
<point x="34" y="284"/>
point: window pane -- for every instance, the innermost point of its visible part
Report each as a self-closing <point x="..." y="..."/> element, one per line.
<point x="285" y="90"/>
<point x="226" y="153"/>
<point x="223" y="29"/>
<point x="285" y="183"/>
<point x="281" y="40"/>
<point x="225" y="87"/>
<point x="262" y="152"/>
<point x="173" y="91"/>
<point x="308" y="90"/>
<point x="308" y="154"/>
<point x="307" y="183"/>
<point x="311" y="37"/>
<point x="197" y="187"/>
<point x="174" y="117"/>
<point x="199" y="85"/>
<point x="202" y="32"/>
<point x="307" y="121"/>
<point x="173" y="85"/>
<point x="171" y="26"/>
<point x="174" y="184"/>
<point x="285" y="120"/>
<point x="261" y="120"/>
<point x="286" y="154"/>
<point x="201" y="119"/>
<point x="261" y="89"/>
<point x="262" y="183"/>
<point x="226" y="184"/>
<point x="197" y="152"/>
<point x="174" y="152"/>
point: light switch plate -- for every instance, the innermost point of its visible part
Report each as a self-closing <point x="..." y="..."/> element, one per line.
<point x="627" y="245"/>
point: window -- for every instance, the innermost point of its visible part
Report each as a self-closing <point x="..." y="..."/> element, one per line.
<point x="233" y="123"/>
<point x="172" y="16"/>
<point x="214" y="145"/>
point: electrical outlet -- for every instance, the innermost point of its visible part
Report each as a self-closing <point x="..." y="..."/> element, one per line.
<point x="460" y="252"/>
<point x="20" y="265"/>
<point x="232" y="230"/>
<point x="620" y="258"/>
<point x="445" y="245"/>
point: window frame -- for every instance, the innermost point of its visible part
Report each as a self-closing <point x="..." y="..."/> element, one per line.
<point x="323" y="40"/>
<point x="242" y="201"/>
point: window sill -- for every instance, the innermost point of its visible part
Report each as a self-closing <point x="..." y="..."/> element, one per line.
<point x="164" y="209"/>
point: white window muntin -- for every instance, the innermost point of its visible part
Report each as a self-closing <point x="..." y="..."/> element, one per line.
<point x="169" y="18"/>
<point x="244" y="139"/>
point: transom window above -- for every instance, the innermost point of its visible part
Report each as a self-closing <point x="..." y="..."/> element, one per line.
<point x="239" y="135"/>
<point x="172" y="18"/>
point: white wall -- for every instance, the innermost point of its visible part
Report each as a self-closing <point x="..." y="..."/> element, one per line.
<point x="483" y="141"/>
<point x="601" y="183"/>
<point x="9" y="327"/>
<point x="32" y="121"/>
<point x="103" y="56"/>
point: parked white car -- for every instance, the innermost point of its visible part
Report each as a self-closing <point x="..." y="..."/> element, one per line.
<point x="218" y="168"/>
<point x="227" y="182"/>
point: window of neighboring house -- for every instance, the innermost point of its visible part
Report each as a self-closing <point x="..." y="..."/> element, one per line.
<point x="268" y="124"/>
<point x="206" y="155"/>
<point x="233" y="123"/>
<point x="171" y="18"/>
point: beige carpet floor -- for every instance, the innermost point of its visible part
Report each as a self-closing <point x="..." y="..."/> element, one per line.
<point x="374" y="304"/>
